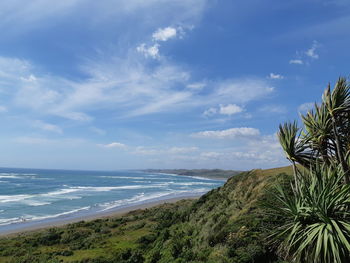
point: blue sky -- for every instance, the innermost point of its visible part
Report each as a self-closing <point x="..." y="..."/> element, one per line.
<point x="120" y="84"/>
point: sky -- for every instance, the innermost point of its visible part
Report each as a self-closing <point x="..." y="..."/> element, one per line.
<point x="134" y="84"/>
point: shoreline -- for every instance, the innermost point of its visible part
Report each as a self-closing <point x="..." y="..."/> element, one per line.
<point x="60" y="222"/>
<point x="224" y="179"/>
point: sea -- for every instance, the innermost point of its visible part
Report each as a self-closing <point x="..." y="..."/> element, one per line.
<point x="35" y="197"/>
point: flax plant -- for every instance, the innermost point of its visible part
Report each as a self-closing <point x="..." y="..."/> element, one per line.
<point x="317" y="218"/>
<point x="317" y="212"/>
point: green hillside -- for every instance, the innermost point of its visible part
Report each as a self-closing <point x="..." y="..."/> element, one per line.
<point x="228" y="224"/>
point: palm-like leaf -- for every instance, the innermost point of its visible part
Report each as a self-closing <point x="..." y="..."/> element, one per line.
<point x="339" y="99"/>
<point x="337" y="103"/>
<point x="317" y="227"/>
<point x="293" y="147"/>
<point x="318" y="136"/>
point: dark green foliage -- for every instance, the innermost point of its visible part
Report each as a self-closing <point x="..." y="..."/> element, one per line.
<point x="317" y="210"/>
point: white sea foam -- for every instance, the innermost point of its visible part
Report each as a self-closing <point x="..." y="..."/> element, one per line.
<point x="141" y="198"/>
<point x="13" y="198"/>
<point x="191" y="183"/>
<point x="19" y="176"/>
<point x="202" y="178"/>
<point x="35" y="203"/>
<point x="7" y="221"/>
<point x="134" y="200"/>
<point x="10" y="176"/>
<point x="137" y="199"/>
<point x="66" y="193"/>
<point x="30" y="217"/>
<point x="123" y="177"/>
<point x="24" y="218"/>
<point x="111" y="188"/>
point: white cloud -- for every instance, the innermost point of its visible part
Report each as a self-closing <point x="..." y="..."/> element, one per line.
<point x="311" y="52"/>
<point x="275" y="76"/>
<point x="113" y="145"/>
<point x="141" y="150"/>
<point x="36" y="140"/>
<point x="210" y="112"/>
<point x="259" y="151"/>
<point x="230" y="109"/>
<point x="182" y="150"/>
<point x="305" y="107"/>
<point x="47" y="126"/>
<point x="307" y="56"/>
<point x="243" y="132"/>
<point x="126" y="85"/>
<point x="296" y="61"/>
<point x="196" y="86"/>
<point x="152" y="51"/>
<point x="243" y="90"/>
<point x="210" y="155"/>
<point x="273" y="109"/>
<point x="164" y="34"/>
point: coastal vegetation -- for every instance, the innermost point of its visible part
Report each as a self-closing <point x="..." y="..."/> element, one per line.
<point x="228" y="224"/>
<point x="317" y="212"/>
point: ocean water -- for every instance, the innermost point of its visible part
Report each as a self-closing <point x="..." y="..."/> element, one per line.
<point x="30" y="197"/>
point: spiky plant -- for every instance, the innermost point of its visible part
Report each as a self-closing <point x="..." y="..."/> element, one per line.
<point x="317" y="226"/>
<point x="325" y="137"/>
<point x="294" y="147"/>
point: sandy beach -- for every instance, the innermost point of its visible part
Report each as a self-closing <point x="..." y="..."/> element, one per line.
<point x="24" y="228"/>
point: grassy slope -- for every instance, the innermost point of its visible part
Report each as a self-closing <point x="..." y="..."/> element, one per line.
<point x="225" y="225"/>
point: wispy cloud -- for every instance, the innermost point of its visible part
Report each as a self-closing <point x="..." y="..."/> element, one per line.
<point x="196" y="86"/>
<point x="18" y="18"/>
<point x="98" y="130"/>
<point x="142" y="150"/>
<point x="182" y="150"/>
<point x="296" y="61"/>
<point x="45" y="141"/>
<point x="242" y="132"/>
<point x="47" y="127"/>
<point x="124" y="84"/>
<point x="210" y="112"/>
<point x="164" y="34"/>
<point x="244" y="90"/>
<point x="275" y="76"/>
<point x="307" y="56"/>
<point x="311" y="52"/>
<point x="3" y="109"/>
<point x="117" y="145"/>
<point x="273" y="109"/>
<point x="306" y="107"/>
<point x="230" y="109"/>
<point x="152" y="51"/>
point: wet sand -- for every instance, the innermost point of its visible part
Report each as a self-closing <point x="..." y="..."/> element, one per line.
<point x="34" y="226"/>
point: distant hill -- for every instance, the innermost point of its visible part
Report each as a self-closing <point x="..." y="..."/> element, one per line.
<point x="229" y="224"/>
<point x="207" y="173"/>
